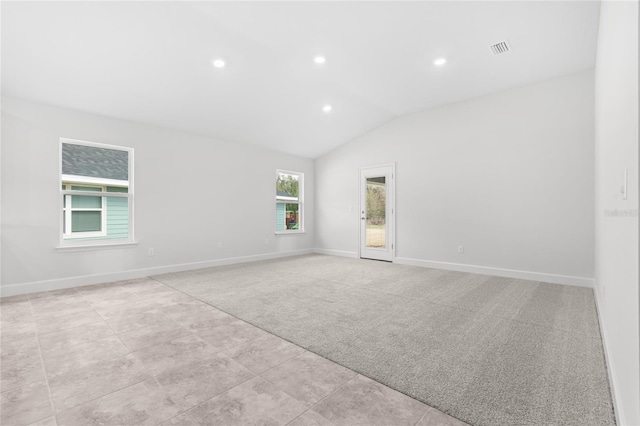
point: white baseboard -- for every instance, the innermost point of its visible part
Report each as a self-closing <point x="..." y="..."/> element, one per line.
<point x="61" y="283"/>
<point x="500" y="272"/>
<point x="341" y="253"/>
<point x="612" y="382"/>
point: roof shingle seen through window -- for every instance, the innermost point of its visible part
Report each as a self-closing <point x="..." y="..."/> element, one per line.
<point x="82" y="160"/>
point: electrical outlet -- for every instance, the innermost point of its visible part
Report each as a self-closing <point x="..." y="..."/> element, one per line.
<point x="152" y="252"/>
<point x="220" y="245"/>
<point x="460" y="249"/>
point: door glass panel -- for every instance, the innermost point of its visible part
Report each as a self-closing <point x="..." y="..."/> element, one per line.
<point x="376" y="221"/>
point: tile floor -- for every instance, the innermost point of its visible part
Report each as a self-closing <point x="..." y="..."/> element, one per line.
<point x="138" y="352"/>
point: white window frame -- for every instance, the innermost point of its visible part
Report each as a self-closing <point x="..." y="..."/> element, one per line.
<point x="86" y="239"/>
<point x="299" y="202"/>
<point x="68" y="210"/>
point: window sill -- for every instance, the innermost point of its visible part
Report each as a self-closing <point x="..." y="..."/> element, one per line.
<point x="91" y="247"/>
<point x="289" y="233"/>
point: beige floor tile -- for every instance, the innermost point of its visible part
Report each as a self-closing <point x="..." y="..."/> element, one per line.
<point x="70" y="337"/>
<point x="105" y="289"/>
<point x="129" y="308"/>
<point x="25" y="405"/>
<point x="49" y="421"/>
<point x="162" y="295"/>
<point x="20" y="363"/>
<point x="168" y="299"/>
<point x="201" y="380"/>
<point x="310" y="418"/>
<point x="228" y="336"/>
<point x="17" y="330"/>
<point x="165" y="356"/>
<point x="180" y="420"/>
<point x="21" y="370"/>
<point x="14" y="349"/>
<point x="136" y="320"/>
<point x="64" y="360"/>
<point x="254" y="402"/>
<point x="110" y="298"/>
<point x="182" y="307"/>
<point x="434" y="417"/>
<point x="53" y="293"/>
<point x="94" y="381"/>
<point x="52" y="306"/>
<point x="364" y="402"/>
<point x="67" y="320"/>
<point x="16" y="311"/>
<point x="141" y="404"/>
<point x="201" y="318"/>
<point x="153" y="335"/>
<point x="97" y="287"/>
<point x="147" y="286"/>
<point x="308" y="377"/>
<point x="264" y="353"/>
<point x="13" y="299"/>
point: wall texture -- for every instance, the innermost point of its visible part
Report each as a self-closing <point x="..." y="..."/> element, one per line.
<point x="191" y="193"/>
<point x="509" y="176"/>
<point x="616" y="236"/>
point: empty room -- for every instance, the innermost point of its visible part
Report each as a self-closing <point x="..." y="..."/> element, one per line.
<point x="320" y="213"/>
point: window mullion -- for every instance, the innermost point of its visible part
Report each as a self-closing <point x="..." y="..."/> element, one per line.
<point x="103" y="213"/>
<point x="96" y="193"/>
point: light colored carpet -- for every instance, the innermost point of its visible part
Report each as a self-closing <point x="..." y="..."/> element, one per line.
<point x="487" y="350"/>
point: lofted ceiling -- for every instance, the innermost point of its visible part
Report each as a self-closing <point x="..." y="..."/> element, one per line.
<point x="150" y="62"/>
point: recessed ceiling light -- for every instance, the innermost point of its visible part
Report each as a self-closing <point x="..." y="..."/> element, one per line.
<point x="327" y="108"/>
<point x="440" y="62"/>
<point x="218" y="63"/>
<point x="319" y="60"/>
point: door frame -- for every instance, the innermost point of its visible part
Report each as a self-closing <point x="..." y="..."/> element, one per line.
<point x="392" y="207"/>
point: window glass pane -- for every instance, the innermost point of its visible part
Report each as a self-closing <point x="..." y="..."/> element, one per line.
<point x="287" y="187"/>
<point x="85" y="188"/>
<point x="292" y="216"/>
<point x="117" y="189"/>
<point x="86" y="221"/>
<point x="90" y="161"/>
<point x="86" y="202"/>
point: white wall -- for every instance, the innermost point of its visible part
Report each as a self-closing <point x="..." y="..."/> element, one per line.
<point x="191" y="192"/>
<point x="616" y="238"/>
<point x="509" y="176"/>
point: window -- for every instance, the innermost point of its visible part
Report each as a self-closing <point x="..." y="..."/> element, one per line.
<point x="289" y="202"/>
<point x="87" y="169"/>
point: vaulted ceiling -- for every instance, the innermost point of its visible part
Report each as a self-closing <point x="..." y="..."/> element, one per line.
<point x="151" y="62"/>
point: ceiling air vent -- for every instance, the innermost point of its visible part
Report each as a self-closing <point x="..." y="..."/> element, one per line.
<point x="500" y="48"/>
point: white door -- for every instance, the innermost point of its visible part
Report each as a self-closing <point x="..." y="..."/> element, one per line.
<point x="377" y="212"/>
